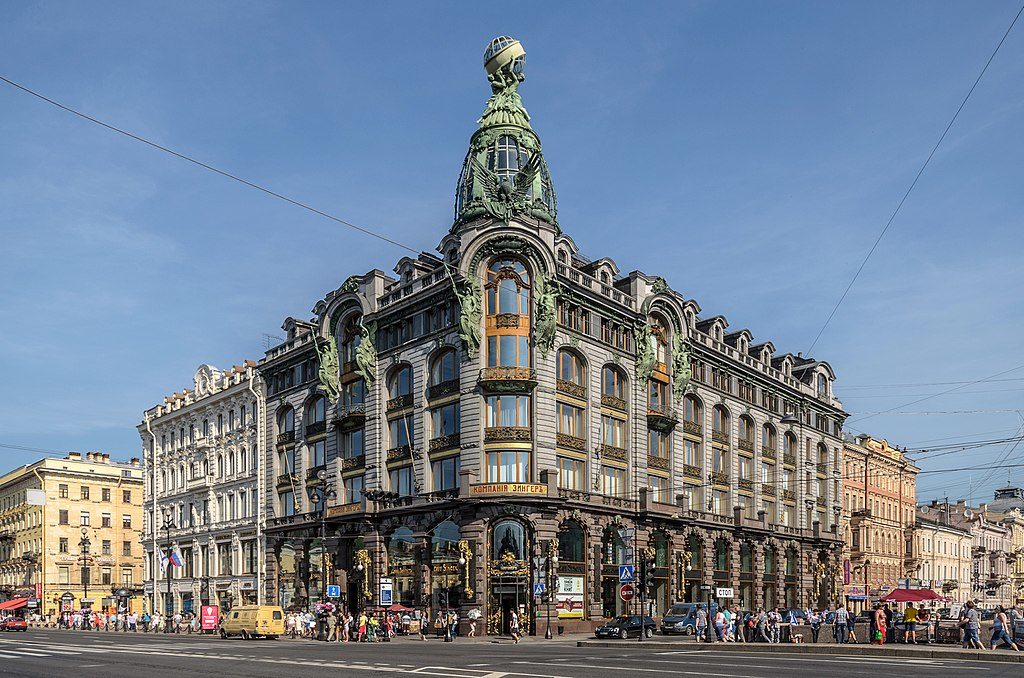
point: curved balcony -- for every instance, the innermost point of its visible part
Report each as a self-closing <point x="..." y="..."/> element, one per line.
<point x="350" y="416"/>
<point x="508" y="434"/>
<point x="661" y="420"/>
<point x="507" y="379"/>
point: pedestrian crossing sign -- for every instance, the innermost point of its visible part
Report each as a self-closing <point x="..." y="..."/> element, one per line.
<point x="626" y="574"/>
<point x="538" y="588"/>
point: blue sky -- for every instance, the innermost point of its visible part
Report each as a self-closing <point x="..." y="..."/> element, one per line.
<point x="749" y="151"/>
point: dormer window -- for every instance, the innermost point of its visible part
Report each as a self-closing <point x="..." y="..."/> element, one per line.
<point x="822" y="386"/>
<point x="605" y="278"/>
<point x="563" y="258"/>
<point x="407" y="277"/>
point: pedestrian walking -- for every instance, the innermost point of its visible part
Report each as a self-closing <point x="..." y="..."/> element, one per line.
<point x="840" y="626"/>
<point x="814" y="619"/>
<point x="513" y="627"/>
<point x="764" y="634"/>
<point x="472" y="628"/>
<point x="424" y="622"/>
<point x="971" y="624"/>
<point x="879" y="635"/>
<point x="890" y="628"/>
<point x="1000" y="626"/>
<point x="701" y="623"/>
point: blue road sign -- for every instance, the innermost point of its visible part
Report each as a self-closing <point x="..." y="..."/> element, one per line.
<point x="538" y="588"/>
<point x="333" y="591"/>
<point x="626" y="574"/>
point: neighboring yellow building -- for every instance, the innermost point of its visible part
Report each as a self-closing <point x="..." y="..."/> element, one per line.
<point x="71" y="524"/>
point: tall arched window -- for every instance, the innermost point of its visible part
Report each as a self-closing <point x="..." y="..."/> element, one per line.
<point x="720" y="424"/>
<point x="746" y="433"/>
<point x="508" y="314"/>
<point x="789" y="448"/>
<point x="505" y="157"/>
<point x="349" y="341"/>
<point x="444" y="369"/>
<point x="613" y="387"/>
<point x="769" y="439"/>
<point x="316" y="411"/>
<point x="400" y="382"/>
<point x="571" y="372"/>
<point x="286" y="421"/>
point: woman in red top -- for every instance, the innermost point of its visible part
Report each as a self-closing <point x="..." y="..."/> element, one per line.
<point x="880" y="629"/>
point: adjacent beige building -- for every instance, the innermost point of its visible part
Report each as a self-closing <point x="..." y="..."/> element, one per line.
<point x="944" y="555"/>
<point x="69" y="533"/>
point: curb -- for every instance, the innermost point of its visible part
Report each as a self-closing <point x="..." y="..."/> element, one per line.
<point x="851" y="651"/>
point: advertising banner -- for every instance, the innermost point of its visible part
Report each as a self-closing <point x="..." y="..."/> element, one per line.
<point x="209" y="616"/>
<point x="847" y="575"/>
<point x="569" y="597"/>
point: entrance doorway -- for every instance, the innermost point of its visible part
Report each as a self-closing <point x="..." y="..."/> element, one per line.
<point x="508" y="597"/>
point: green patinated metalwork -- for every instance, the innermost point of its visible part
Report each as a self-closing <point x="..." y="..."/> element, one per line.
<point x="504" y="174"/>
<point x="366" y="353"/>
<point x="329" y="374"/>
<point x="680" y="367"/>
<point x="471" y="295"/>
<point x="546" y="293"/>
<point x="646" y="357"/>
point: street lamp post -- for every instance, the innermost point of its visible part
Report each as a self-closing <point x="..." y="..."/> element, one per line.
<point x="551" y="588"/>
<point x="84" y="558"/>
<point x="324" y="493"/>
<point x="168" y="600"/>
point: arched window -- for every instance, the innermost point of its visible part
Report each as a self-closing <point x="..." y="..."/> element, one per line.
<point x="444" y="369"/>
<point x="822" y="385"/>
<point x="316" y="411"/>
<point x="746" y="433"/>
<point x="613" y="386"/>
<point x="508" y="541"/>
<point x="720" y="422"/>
<point x="659" y="340"/>
<point x="562" y="257"/>
<point x="505" y="157"/>
<point x="692" y="412"/>
<point x="768" y="438"/>
<point x="822" y="457"/>
<point x="220" y="466"/>
<point x="286" y="420"/>
<point x="349" y="341"/>
<point x="789" y="445"/>
<point x="400" y="383"/>
<point x="570" y="369"/>
<point x="508" y="314"/>
<point x="571" y="547"/>
<point x="721" y="556"/>
<point x="444" y="543"/>
<point x="242" y="461"/>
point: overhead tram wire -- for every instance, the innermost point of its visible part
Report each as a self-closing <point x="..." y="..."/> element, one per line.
<point x="906" y="195"/>
<point x="211" y="168"/>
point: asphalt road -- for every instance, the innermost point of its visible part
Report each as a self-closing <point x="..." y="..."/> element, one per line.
<point x="49" y="653"/>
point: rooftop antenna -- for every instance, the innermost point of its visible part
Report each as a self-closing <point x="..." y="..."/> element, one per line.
<point x="268" y="340"/>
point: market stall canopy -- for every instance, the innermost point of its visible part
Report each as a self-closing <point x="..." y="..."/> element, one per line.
<point x="15" y="604"/>
<point x="398" y="608"/>
<point x="910" y="596"/>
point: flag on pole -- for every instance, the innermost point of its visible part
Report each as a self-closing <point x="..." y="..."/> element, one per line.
<point x="164" y="560"/>
<point x="176" y="558"/>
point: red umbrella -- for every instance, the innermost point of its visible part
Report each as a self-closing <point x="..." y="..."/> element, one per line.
<point x="910" y="596"/>
<point x="398" y="608"/>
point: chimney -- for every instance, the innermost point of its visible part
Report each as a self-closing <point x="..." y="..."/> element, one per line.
<point x="90" y="456"/>
<point x="106" y="458"/>
<point x="74" y="456"/>
<point x="135" y="462"/>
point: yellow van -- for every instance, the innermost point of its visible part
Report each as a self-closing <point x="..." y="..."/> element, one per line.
<point x="253" y="621"/>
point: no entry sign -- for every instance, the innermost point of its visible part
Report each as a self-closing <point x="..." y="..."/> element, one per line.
<point x="627" y="592"/>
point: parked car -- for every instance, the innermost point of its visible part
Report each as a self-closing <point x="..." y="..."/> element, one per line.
<point x="626" y="626"/>
<point x="682" y="618"/>
<point x="14" y="624"/>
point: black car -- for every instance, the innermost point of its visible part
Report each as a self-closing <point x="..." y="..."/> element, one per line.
<point x="626" y="626"/>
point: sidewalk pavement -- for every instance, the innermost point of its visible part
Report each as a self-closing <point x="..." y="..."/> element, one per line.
<point x="856" y="650"/>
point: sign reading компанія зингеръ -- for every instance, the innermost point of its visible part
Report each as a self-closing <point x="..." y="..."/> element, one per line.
<point x="508" y="488"/>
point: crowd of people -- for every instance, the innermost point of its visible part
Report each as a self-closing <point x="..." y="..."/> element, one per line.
<point x="730" y="625"/>
<point x="370" y="626"/>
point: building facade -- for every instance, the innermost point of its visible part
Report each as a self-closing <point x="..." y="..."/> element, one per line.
<point x="944" y="553"/>
<point x="992" y="556"/>
<point x="204" y="499"/>
<point x="509" y="410"/>
<point x="69" y="533"/>
<point x="879" y="503"/>
<point x="1008" y="506"/>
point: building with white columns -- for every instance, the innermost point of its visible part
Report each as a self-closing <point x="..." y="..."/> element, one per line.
<point x="203" y="467"/>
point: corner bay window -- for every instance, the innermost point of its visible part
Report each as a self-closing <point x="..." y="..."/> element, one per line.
<point x="572" y="473"/>
<point x="508" y="410"/>
<point x="508" y="314"/>
<point x="508" y="466"/>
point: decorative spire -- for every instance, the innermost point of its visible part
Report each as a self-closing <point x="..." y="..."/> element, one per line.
<point x="504" y="174"/>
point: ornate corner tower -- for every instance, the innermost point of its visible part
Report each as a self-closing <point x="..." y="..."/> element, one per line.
<point x="504" y="174"/>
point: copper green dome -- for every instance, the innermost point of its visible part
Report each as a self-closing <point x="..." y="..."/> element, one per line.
<point x="504" y="173"/>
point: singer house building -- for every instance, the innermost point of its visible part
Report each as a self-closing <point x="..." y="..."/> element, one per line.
<point x="510" y="412"/>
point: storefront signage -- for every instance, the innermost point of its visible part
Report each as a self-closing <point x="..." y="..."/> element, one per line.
<point x="209" y="616"/>
<point x="855" y="593"/>
<point x="569" y="597"/>
<point x="508" y="488"/>
<point x="344" y="510"/>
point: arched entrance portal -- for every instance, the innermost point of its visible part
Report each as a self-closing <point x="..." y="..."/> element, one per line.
<point x="509" y="577"/>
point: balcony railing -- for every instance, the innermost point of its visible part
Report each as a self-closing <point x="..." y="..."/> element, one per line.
<point x="789" y="459"/>
<point x="746" y="484"/>
<point x="720" y="437"/>
<point x="507" y="379"/>
<point x="822" y="468"/>
<point x="508" y="434"/>
<point x="691" y="427"/>
<point x="719" y="478"/>
<point x="768" y="489"/>
<point x="351" y="416"/>
<point x="613" y="402"/>
<point x="316" y="428"/>
<point x="400" y="402"/>
<point x="611" y="452"/>
<point x="445" y="388"/>
<point x="571" y="388"/>
<point x="656" y="462"/>
<point x="443" y="442"/>
<point x="691" y="471"/>
<point x="312" y="473"/>
<point x="571" y="442"/>
<point x="288" y="479"/>
<point x="285" y="437"/>
<point x="768" y="453"/>
<point x="661" y="419"/>
<point x="400" y="453"/>
<point x="745" y="445"/>
<point x="353" y="463"/>
<point x="788" y="495"/>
